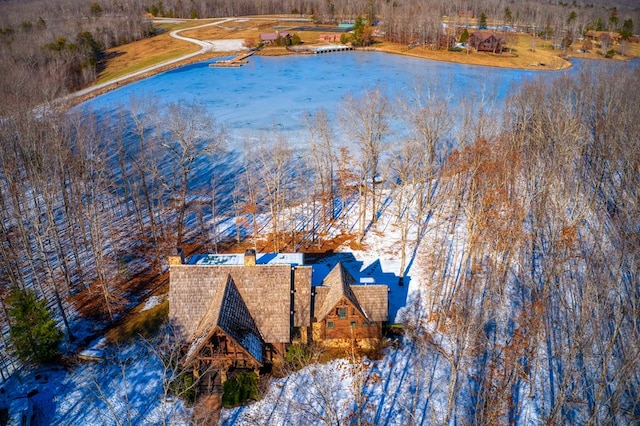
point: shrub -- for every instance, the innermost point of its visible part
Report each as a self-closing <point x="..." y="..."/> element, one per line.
<point x="298" y="356"/>
<point x="464" y="36"/>
<point x="239" y="389"/>
<point x="184" y="387"/>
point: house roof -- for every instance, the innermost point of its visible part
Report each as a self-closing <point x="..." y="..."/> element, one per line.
<point x="338" y="282"/>
<point x="265" y="289"/>
<point x="371" y="300"/>
<point x="228" y="313"/>
<point x="273" y="36"/>
<point x="483" y="35"/>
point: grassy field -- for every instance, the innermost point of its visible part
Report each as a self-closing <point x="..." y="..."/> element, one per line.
<point x="141" y="54"/>
<point x="524" y="52"/>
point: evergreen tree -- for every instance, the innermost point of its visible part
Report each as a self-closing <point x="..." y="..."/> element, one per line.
<point x="362" y="32"/>
<point x="482" y="21"/>
<point x="358" y="31"/>
<point x="508" y="17"/>
<point x="240" y="388"/>
<point x="464" y="36"/>
<point x="627" y="29"/>
<point x="33" y="331"/>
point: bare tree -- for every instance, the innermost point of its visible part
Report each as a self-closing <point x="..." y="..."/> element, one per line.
<point x="323" y="161"/>
<point x="367" y="122"/>
<point x="191" y="137"/>
<point x="273" y="164"/>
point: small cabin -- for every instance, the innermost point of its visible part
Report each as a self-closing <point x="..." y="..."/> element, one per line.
<point x="272" y="38"/>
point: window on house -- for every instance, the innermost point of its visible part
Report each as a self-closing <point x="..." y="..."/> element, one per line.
<point x="342" y="313"/>
<point x="353" y="324"/>
<point x="330" y="324"/>
<point x="365" y="323"/>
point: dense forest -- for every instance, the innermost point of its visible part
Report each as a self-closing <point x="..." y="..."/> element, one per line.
<point x="546" y="198"/>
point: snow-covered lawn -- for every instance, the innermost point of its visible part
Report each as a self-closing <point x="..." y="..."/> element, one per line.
<point x="227" y="45"/>
<point x="125" y="388"/>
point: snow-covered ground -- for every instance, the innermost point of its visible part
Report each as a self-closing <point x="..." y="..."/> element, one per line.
<point x="228" y="45"/>
<point x="124" y="388"/>
<point x="461" y="331"/>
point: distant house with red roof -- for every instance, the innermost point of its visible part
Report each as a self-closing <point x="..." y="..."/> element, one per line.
<point x="605" y="37"/>
<point x="485" y="41"/>
<point x="271" y="38"/>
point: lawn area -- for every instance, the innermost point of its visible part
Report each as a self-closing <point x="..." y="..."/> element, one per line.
<point x="251" y="29"/>
<point x="132" y="57"/>
<point x="518" y="55"/>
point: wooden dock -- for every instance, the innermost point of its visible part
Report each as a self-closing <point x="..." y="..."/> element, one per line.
<point x="236" y="62"/>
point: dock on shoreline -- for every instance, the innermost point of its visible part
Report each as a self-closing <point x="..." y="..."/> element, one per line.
<point x="236" y="62"/>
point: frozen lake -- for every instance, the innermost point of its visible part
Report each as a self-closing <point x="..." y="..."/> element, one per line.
<point x="275" y="92"/>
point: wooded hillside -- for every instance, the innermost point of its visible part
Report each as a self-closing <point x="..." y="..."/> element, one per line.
<point x="544" y="202"/>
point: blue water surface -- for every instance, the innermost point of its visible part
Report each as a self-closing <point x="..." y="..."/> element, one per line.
<point x="275" y="92"/>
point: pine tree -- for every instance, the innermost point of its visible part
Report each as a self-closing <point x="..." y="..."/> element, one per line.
<point x="33" y="331"/>
<point x="357" y="39"/>
<point x="482" y="21"/>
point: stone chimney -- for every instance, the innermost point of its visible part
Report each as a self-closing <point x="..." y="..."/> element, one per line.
<point x="249" y="257"/>
<point x="176" y="257"/>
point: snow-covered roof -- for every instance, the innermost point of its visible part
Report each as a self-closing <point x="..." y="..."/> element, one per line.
<point x="294" y="259"/>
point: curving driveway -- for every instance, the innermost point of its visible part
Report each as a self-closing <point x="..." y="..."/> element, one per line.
<point x="205" y="46"/>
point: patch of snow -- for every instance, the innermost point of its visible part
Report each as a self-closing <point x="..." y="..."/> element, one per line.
<point x="228" y="45"/>
<point x="152" y="302"/>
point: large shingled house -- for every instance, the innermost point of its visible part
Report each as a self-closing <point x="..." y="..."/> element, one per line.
<point x="238" y="312"/>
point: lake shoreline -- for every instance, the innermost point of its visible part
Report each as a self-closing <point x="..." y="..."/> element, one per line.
<point x="437" y="56"/>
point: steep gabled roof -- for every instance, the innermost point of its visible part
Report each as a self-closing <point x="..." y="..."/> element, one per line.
<point x="371" y="300"/>
<point x="227" y="312"/>
<point x="374" y="301"/>
<point x="481" y="36"/>
<point x="339" y="282"/>
<point x="266" y="291"/>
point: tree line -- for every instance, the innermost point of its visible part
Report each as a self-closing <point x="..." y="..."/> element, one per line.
<point x="528" y="226"/>
<point x="49" y="49"/>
